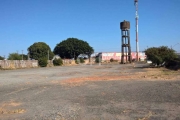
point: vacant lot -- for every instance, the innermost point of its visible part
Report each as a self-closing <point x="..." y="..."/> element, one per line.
<point x="85" y="92"/>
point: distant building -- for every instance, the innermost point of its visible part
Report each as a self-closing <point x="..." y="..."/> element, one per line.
<point x="106" y="56"/>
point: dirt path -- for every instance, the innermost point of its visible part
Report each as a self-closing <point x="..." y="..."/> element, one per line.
<point x="116" y="92"/>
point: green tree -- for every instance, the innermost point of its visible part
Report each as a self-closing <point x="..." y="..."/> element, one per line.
<point x="161" y="54"/>
<point x="72" y="47"/>
<point x="25" y="57"/>
<point x="14" y="56"/>
<point x="40" y="50"/>
<point x="1" y="58"/>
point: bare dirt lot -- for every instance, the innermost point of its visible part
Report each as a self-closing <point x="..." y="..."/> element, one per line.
<point x="85" y="92"/>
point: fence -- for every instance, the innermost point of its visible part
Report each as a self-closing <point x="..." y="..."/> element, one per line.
<point x="14" y="64"/>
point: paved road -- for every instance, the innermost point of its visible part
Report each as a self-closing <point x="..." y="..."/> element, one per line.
<point x="35" y="94"/>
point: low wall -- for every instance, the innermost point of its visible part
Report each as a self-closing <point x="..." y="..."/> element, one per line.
<point x="68" y="61"/>
<point x="14" y="64"/>
<point x="65" y="62"/>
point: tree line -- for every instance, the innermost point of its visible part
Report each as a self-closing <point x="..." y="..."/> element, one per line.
<point x="73" y="47"/>
<point x="69" y="48"/>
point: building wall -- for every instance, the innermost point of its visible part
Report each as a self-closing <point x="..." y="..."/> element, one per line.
<point x="117" y="55"/>
<point x="14" y="64"/>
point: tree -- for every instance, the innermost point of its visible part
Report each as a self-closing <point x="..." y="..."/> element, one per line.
<point x="40" y="50"/>
<point x="1" y="58"/>
<point x="14" y="56"/>
<point x="72" y="47"/>
<point x="161" y="54"/>
<point x="25" y="57"/>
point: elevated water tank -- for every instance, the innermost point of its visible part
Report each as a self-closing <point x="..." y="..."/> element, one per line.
<point x="125" y="25"/>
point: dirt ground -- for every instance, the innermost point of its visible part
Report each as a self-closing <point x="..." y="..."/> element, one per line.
<point x="90" y="92"/>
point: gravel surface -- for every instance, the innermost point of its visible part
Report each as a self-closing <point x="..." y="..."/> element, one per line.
<point x="90" y="92"/>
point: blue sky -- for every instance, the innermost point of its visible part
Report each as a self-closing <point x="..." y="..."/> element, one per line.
<point x="24" y="22"/>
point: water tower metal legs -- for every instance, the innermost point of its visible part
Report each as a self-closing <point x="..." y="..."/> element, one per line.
<point x="126" y="48"/>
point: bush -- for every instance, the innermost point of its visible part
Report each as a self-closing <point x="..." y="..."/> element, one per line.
<point x="159" y="55"/>
<point x="98" y="60"/>
<point x="111" y="60"/>
<point x="81" y="60"/>
<point x="77" y="61"/>
<point x="57" y="62"/>
<point x="173" y="64"/>
<point x="42" y="62"/>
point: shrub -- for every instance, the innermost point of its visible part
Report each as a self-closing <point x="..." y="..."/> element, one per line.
<point x="174" y="64"/>
<point x="77" y="61"/>
<point x="57" y="62"/>
<point x="81" y="60"/>
<point x="98" y="60"/>
<point x="42" y="62"/>
<point x="159" y="55"/>
<point x="111" y="60"/>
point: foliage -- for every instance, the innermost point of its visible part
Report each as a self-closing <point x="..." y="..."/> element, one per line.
<point x="72" y="47"/>
<point x="42" y="62"/>
<point x="173" y="64"/>
<point x="111" y="60"/>
<point x="40" y="50"/>
<point x="77" y="61"/>
<point x="161" y="54"/>
<point x="98" y="60"/>
<point x="14" y="56"/>
<point x="57" y="62"/>
<point x="1" y="58"/>
<point x="25" y="57"/>
<point x="81" y="60"/>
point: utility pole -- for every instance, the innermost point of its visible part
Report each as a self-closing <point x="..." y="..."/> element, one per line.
<point x="136" y="18"/>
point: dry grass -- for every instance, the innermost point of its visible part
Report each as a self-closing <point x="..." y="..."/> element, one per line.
<point x="150" y="74"/>
<point x="11" y="108"/>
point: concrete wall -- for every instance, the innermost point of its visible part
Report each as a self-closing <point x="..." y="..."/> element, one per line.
<point x="14" y="64"/>
<point x="65" y="62"/>
<point x="68" y="61"/>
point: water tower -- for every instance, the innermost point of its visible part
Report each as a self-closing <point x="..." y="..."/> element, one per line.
<point x="126" y="47"/>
